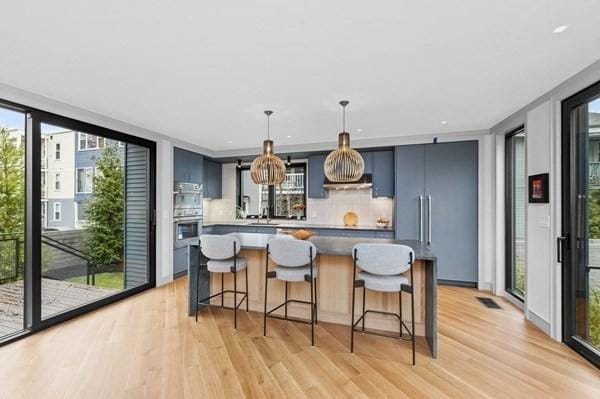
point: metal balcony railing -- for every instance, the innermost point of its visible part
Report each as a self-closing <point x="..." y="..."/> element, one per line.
<point x="293" y="181"/>
<point x="594" y="173"/>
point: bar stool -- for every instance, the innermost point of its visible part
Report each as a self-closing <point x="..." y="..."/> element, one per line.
<point x="294" y="259"/>
<point x="221" y="252"/>
<point x="381" y="267"/>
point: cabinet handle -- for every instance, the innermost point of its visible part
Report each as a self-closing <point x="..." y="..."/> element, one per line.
<point x="559" y="248"/>
<point x="429" y="220"/>
<point x="421" y="218"/>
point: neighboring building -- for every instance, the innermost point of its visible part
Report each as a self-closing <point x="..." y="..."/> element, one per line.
<point x="88" y="150"/>
<point x="68" y="170"/>
<point x="58" y="167"/>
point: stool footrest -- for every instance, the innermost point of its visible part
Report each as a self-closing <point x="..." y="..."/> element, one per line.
<point x="202" y="302"/>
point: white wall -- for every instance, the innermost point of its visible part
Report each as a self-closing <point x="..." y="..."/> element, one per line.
<point x="542" y="127"/>
<point x="539" y="238"/>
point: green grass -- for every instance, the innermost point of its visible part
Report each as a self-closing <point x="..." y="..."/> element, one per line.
<point x="104" y="280"/>
<point x="595" y="317"/>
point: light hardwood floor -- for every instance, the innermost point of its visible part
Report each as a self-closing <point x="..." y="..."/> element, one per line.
<point x="146" y="347"/>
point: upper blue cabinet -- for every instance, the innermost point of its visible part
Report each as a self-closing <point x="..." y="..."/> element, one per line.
<point x="383" y="173"/>
<point x="379" y="164"/>
<point x="212" y="179"/>
<point x="187" y="166"/>
<point x="316" y="176"/>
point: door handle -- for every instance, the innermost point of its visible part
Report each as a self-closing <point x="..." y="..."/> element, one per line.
<point x="429" y="220"/>
<point x="421" y="218"/>
<point x="559" y="248"/>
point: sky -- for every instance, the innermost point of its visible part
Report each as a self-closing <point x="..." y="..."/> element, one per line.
<point x="16" y="120"/>
<point x="594" y="106"/>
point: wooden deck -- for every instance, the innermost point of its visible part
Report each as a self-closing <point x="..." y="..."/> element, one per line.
<point x="57" y="296"/>
<point x="147" y="347"/>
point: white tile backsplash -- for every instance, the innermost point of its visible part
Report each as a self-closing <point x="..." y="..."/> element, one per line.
<point x="332" y="209"/>
<point x="320" y="211"/>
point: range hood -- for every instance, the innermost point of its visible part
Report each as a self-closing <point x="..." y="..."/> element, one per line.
<point x="365" y="182"/>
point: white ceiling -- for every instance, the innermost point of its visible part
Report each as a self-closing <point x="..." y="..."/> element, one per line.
<point x="203" y="71"/>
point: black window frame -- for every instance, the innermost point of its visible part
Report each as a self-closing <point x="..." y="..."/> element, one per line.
<point x="271" y="194"/>
<point x="33" y="321"/>
<point x="508" y="213"/>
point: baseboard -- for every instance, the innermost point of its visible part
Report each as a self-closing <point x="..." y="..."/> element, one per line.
<point x="538" y="322"/>
<point x="469" y="284"/>
<point x="180" y="274"/>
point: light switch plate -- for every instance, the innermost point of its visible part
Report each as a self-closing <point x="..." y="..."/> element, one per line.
<point x="544" y="221"/>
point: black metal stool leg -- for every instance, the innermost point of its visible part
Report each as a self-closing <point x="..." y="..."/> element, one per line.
<point x="412" y="319"/>
<point x="222" y="289"/>
<point x="352" y="321"/>
<point x="197" y="292"/>
<point x="286" y="299"/>
<point x="234" y="298"/>
<point x="312" y="312"/>
<point x="363" y="308"/>
<point x="400" y="301"/>
<point x="316" y="302"/>
<point x="266" y="286"/>
<point x="247" y="305"/>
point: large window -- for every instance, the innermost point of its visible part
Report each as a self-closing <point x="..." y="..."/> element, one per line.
<point x="12" y="220"/>
<point x="290" y="196"/>
<point x="85" y="179"/>
<point x="580" y="241"/>
<point x="287" y="200"/>
<point x="92" y="241"/>
<point x="57" y="178"/>
<point x="57" y="212"/>
<point x="516" y="205"/>
<point x="90" y="142"/>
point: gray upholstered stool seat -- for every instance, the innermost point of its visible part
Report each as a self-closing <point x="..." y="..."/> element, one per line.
<point x="294" y="273"/>
<point x="381" y="269"/>
<point x="221" y="253"/>
<point x="224" y="266"/>
<point x="377" y="282"/>
<point x="294" y="260"/>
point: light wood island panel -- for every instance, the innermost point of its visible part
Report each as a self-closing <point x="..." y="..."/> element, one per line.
<point x="334" y="292"/>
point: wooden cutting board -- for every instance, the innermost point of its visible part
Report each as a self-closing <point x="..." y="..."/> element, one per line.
<point x="350" y="219"/>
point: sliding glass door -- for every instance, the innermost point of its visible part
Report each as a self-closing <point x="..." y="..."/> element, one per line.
<point x="580" y="243"/>
<point x="84" y="234"/>
<point x="516" y="204"/>
<point x="12" y="220"/>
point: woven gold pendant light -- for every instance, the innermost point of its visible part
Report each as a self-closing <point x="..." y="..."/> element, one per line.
<point x="344" y="165"/>
<point x="268" y="168"/>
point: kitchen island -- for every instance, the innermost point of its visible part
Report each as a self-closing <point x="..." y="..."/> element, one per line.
<point x="334" y="284"/>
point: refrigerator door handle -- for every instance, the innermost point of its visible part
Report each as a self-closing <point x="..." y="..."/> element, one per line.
<point x="421" y="218"/>
<point x="429" y="220"/>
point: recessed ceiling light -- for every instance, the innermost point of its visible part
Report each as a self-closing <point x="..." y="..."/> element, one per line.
<point x="560" y="29"/>
<point x="289" y="136"/>
<point x="229" y="142"/>
<point x="359" y="130"/>
<point x="444" y="122"/>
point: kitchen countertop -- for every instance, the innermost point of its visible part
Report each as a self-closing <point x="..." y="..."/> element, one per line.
<point x="286" y="224"/>
<point x="335" y="245"/>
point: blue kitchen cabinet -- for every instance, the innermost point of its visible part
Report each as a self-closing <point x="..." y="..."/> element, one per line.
<point x="212" y="179"/>
<point x="316" y="176"/>
<point x="383" y="173"/>
<point x="437" y="203"/>
<point x="180" y="165"/>
<point x="196" y="166"/>
<point x="368" y="160"/>
<point x="187" y="166"/>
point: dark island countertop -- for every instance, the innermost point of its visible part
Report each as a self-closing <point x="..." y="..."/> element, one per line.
<point x="334" y="245"/>
<point x="295" y="225"/>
